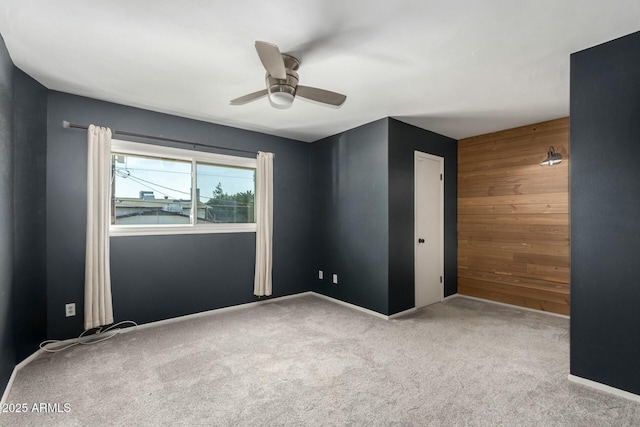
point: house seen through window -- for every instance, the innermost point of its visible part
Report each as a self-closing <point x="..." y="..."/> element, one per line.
<point x="184" y="189"/>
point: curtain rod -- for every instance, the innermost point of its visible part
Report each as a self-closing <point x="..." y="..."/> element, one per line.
<point x="67" y="125"/>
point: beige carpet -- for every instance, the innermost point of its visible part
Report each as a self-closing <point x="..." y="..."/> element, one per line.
<point x="308" y="361"/>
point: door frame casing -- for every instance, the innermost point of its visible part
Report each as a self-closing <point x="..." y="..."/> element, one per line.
<point x="420" y="154"/>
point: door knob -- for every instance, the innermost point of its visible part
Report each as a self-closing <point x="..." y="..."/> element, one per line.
<point x="420" y="240"/>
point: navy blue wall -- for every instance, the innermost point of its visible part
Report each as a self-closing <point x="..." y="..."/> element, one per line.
<point x="7" y="348"/>
<point x="23" y="118"/>
<point x="30" y="159"/>
<point x="363" y="181"/>
<point x="605" y="213"/>
<point x="351" y="221"/>
<point x="404" y="140"/>
<point x="158" y="277"/>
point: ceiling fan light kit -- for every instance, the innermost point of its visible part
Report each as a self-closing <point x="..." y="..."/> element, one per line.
<point x="282" y="81"/>
<point x="283" y="91"/>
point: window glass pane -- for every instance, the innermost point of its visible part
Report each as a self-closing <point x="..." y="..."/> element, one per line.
<point x="225" y="194"/>
<point x="150" y="190"/>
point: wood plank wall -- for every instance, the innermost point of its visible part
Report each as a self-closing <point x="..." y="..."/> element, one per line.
<point x="513" y="217"/>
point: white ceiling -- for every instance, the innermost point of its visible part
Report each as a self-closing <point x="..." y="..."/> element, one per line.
<point x="459" y="68"/>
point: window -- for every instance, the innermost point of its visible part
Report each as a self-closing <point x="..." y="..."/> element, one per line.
<point x="161" y="190"/>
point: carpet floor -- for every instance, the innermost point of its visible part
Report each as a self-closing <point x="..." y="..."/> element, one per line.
<point x="309" y="362"/>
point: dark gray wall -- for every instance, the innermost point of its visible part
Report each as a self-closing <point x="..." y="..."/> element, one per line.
<point x="350" y="199"/>
<point x="363" y="181"/>
<point x="7" y="348"/>
<point x="158" y="277"/>
<point x="30" y="157"/>
<point x="404" y="140"/>
<point x="23" y="118"/>
<point x="605" y="213"/>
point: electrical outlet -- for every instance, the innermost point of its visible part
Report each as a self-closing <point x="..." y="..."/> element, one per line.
<point x="320" y="275"/>
<point x="70" y="309"/>
<point x="335" y="279"/>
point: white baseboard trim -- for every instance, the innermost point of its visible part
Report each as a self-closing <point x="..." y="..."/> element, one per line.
<point x="353" y="306"/>
<point x="15" y="371"/>
<point x="214" y="311"/>
<point x="605" y="388"/>
<point x="8" y="387"/>
<point x="402" y="313"/>
<point x="564" y="316"/>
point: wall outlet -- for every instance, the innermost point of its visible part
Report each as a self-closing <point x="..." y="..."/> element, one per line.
<point x="70" y="309"/>
<point x="335" y="279"/>
<point x="320" y="275"/>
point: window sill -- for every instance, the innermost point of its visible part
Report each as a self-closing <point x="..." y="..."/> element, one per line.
<point x="154" y="230"/>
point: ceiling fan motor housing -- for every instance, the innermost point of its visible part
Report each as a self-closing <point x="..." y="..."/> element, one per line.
<point x="282" y="92"/>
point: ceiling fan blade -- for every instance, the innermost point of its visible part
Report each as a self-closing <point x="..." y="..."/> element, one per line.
<point x="321" y="95"/>
<point x="248" y="98"/>
<point x="271" y="58"/>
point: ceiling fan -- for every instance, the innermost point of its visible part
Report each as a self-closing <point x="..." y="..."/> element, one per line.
<point x="282" y="81"/>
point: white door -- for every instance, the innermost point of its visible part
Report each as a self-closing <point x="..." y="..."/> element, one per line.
<point x="429" y="228"/>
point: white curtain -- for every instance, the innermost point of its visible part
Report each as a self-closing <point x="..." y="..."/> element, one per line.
<point x="264" y="224"/>
<point x="98" y="308"/>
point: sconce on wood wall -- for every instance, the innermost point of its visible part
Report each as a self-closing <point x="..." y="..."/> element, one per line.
<point x="553" y="158"/>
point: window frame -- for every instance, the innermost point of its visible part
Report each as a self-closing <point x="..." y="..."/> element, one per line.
<point x="194" y="157"/>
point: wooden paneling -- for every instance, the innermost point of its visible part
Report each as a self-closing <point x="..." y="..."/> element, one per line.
<point x="513" y="217"/>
